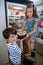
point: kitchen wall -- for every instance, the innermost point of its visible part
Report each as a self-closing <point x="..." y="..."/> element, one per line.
<point x="3" y="47"/>
<point x="39" y="5"/>
<point x="36" y="2"/>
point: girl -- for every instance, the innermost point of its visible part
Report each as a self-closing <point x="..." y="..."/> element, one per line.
<point x="31" y="23"/>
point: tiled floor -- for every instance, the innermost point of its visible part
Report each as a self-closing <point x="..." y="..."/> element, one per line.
<point x="39" y="60"/>
<point x="8" y="63"/>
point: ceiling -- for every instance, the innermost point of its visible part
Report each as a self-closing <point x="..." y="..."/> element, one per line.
<point x="20" y="1"/>
<point x="37" y="2"/>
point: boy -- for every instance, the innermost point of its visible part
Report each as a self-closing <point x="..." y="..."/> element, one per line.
<point x="15" y="51"/>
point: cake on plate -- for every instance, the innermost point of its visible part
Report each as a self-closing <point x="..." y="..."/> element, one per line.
<point x="21" y="34"/>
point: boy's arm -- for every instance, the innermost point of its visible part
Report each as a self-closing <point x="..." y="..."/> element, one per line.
<point x="21" y="44"/>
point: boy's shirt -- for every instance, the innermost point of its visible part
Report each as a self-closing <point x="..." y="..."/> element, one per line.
<point x="15" y="53"/>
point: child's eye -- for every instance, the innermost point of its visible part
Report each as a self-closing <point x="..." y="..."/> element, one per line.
<point x="12" y="36"/>
<point x="29" y="12"/>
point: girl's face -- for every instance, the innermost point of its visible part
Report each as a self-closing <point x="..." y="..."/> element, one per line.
<point x="29" y="12"/>
<point x="12" y="38"/>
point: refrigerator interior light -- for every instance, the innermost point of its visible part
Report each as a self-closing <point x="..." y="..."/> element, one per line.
<point x="20" y="8"/>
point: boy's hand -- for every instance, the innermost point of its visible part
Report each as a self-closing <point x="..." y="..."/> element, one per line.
<point x="21" y="41"/>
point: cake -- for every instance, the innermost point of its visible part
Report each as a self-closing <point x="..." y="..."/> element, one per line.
<point x="21" y="34"/>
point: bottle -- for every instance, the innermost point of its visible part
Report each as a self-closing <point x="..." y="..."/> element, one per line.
<point x="40" y="34"/>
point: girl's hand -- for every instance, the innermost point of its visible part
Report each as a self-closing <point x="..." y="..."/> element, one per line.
<point x="20" y="30"/>
<point x="27" y="35"/>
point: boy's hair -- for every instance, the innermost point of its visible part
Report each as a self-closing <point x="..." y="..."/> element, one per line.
<point x="6" y="32"/>
<point x="34" y="10"/>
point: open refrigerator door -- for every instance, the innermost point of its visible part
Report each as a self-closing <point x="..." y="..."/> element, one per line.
<point x="15" y="12"/>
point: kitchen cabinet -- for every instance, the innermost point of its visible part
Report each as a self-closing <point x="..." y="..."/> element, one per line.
<point x="39" y="46"/>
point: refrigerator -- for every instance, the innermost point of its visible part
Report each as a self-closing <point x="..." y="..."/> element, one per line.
<point x="15" y="12"/>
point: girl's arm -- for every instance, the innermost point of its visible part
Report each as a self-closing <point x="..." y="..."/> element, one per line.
<point x="34" y="29"/>
<point x="23" y="25"/>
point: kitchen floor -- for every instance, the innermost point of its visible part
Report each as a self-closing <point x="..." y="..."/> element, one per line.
<point x="39" y="60"/>
<point x="8" y="63"/>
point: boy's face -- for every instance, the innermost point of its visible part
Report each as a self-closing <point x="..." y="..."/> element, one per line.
<point x="12" y="38"/>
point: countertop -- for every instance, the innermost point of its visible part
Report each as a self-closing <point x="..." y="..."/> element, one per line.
<point x="39" y="46"/>
<point x="39" y="40"/>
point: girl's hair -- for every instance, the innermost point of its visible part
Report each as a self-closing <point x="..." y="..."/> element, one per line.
<point x="34" y="10"/>
<point x="6" y="32"/>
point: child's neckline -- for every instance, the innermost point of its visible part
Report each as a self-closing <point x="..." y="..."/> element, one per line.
<point x="30" y="20"/>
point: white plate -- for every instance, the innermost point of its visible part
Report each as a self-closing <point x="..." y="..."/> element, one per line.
<point x="22" y="39"/>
